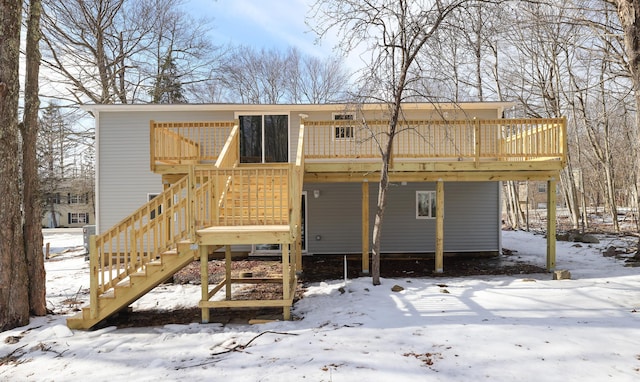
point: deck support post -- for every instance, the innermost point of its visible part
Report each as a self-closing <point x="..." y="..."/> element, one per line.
<point x="286" y="284"/>
<point x="227" y="267"/>
<point x="365" y="227"/>
<point x="298" y="249"/>
<point x="551" y="225"/>
<point x="439" y="268"/>
<point x="204" y="280"/>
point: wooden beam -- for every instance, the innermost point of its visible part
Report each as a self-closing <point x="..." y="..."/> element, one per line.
<point x="450" y="176"/>
<point x="227" y="266"/>
<point x="93" y="277"/>
<point x="551" y="225"/>
<point x="286" y="285"/>
<point x="364" y="167"/>
<point x="365" y="227"/>
<point x="204" y="281"/>
<point x="246" y="304"/>
<point x="439" y="226"/>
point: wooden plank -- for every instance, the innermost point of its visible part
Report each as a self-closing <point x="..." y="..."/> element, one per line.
<point x="275" y="234"/>
<point x="227" y="266"/>
<point x="439" y="268"/>
<point x="204" y="280"/>
<point x="256" y="280"/>
<point x="246" y="303"/>
<point x="286" y="285"/>
<point x="466" y="176"/>
<point x="551" y="225"/>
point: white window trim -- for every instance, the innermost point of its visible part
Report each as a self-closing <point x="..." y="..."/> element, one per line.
<point x="432" y="196"/>
<point x="351" y="128"/>
<point x="77" y="217"/>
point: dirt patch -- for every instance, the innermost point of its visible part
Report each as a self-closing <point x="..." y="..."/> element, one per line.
<point x="316" y="269"/>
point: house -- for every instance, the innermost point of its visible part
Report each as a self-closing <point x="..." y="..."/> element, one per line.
<point x="68" y="206"/>
<point x="177" y="182"/>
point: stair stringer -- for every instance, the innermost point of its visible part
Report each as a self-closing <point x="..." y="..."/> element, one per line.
<point x="135" y="286"/>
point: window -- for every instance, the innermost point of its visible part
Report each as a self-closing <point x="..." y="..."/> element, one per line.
<point x="345" y="129"/>
<point x="542" y="187"/>
<point x="78" y="218"/>
<point x="156" y="211"/>
<point x="76" y="198"/>
<point x="53" y="198"/>
<point x="425" y="204"/>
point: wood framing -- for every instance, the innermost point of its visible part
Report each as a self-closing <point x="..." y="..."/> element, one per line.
<point x="212" y="199"/>
<point x="551" y="225"/>
<point x="439" y="267"/>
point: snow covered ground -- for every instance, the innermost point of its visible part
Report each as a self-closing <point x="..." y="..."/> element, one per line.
<point x="497" y="328"/>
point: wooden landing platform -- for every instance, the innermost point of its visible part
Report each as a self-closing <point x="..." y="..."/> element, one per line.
<point x="249" y="234"/>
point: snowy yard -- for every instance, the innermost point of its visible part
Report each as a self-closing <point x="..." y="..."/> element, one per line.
<point x="494" y="328"/>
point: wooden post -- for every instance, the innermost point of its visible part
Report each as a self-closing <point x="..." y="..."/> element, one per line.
<point x="286" y="286"/>
<point x="191" y="204"/>
<point x="476" y="129"/>
<point x="365" y="227"/>
<point x="298" y="245"/>
<point x="227" y="266"/>
<point x="439" y="226"/>
<point x="204" y="280"/>
<point x="551" y="225"/>
<point x="152" y="145"/>
<point x="93" y="277"/>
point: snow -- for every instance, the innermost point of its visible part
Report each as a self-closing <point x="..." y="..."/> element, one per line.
<point x="500" y="328"/>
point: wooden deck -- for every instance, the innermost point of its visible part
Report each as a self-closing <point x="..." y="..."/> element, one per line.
<point x="212" y="200"/>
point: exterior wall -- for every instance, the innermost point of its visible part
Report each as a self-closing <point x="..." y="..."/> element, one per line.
<point x="124" y="180"/>
<point x="471" y="218"/>
<point x="62" y="211"/>
<point x="124" y="175"/>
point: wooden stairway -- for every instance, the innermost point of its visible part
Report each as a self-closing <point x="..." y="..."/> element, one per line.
<point x="135" y="286"/>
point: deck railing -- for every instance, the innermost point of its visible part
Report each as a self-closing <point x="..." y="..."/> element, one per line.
<point x="136" y="240"/>
<point x="499" y="139"/>
<point x="187" y="142"/>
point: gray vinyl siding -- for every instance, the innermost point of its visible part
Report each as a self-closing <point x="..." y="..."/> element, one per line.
<point x="471" y="218"/>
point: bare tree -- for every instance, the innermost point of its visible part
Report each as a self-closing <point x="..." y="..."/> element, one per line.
<point x="14" y="291"/>
<point x="394" y="32"/>
<point x="116" y="51"/>
<point x="271" y="76"/>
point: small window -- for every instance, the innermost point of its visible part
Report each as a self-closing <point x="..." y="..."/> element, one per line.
<point x="78" y="218"/>
<point x="156" y="211"/>
<point x="344" y="130"/>
<point x="77" y="198"/>
<point x="425" y="204"/>
<point x="542" y="187"/>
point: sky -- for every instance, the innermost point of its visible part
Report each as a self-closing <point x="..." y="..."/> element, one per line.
<point x="261" y="24"/>
<point x="522" y="327"/>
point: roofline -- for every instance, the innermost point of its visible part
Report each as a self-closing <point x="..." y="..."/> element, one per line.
<point x="291" y="107"/>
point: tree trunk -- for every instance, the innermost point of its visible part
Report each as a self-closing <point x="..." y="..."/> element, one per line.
<point x="377" y="225"/>
<point x="31" y="184"/>
<point x="14" y="292"/>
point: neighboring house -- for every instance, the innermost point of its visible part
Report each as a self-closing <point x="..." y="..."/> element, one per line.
<point x="299" y="179"/>
<point x="67" y="207"/>
<point x="535" y="194"/>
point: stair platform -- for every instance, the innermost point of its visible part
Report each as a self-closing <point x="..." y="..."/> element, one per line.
<point x="248" y="234"/>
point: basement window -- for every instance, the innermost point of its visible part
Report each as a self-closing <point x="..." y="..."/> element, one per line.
<point x="425" y="204"/>
<point x="345" y="129"/>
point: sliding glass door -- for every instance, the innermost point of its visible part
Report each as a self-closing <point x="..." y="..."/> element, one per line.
<point x="264" y="138"/>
